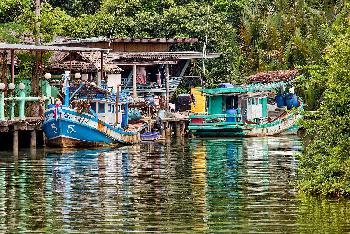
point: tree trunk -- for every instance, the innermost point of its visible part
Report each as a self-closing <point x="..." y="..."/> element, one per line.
<point x="36" y="74"/>
<point x="4" y="70"/>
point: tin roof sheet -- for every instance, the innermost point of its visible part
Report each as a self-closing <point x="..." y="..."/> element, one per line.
<point x="125" y="40"/>
<point x="5" y="46"/>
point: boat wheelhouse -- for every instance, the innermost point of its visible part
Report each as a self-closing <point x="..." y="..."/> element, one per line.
<point x="267" y="106"/>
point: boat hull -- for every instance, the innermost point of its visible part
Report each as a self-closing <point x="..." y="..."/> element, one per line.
<point x="281" y="126"/>
<point x="65" y="142"/>
<point x="65" y="127"/>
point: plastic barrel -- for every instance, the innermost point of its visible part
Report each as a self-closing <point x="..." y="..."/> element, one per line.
<point x="51" y="106"/>
<point x="280" y="101"/>
<point x="231" y="112"/>
<point x="291" y="101"/>
<point x="124" y="120"/>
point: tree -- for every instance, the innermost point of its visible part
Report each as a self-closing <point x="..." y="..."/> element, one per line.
<point x="324" y="167"/>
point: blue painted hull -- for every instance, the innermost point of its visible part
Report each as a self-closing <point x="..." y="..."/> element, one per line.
<point x="65" y="127"/>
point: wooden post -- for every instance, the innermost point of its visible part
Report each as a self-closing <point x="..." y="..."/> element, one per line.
<point x="15" y="142"/>
<point x="33" y="139"/>
<point x="168" y="129"/>
<point x="2" y="105"/>
<point x="12" y="105"/>
<point x="183" y="128"/>
<point x="12" y="66"/>
<point x="162" y="130"/>
<point x="44" y="139"/>
<point x="165" y="128"/>
<point x="134" y="91"/>
<point x="167" y="87"/>
<point x="116" y="109"/>
<point x="178" y="129"/>
<point x="102" y="71"/>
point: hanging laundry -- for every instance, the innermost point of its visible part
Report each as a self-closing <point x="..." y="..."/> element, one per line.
<point x="159" y="80"/>
<point x="141" y="75"/>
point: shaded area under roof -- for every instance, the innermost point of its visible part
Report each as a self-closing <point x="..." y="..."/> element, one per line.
<point x="4" y="46"/>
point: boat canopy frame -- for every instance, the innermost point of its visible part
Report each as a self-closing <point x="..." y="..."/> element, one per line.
<point x="239" y="89"/>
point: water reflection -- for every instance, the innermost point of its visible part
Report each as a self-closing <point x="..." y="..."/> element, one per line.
<point x="209" y="185"/>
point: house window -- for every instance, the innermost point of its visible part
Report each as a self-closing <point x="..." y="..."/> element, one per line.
<point x="101" y="108"/>
<point x="110" y="108"/>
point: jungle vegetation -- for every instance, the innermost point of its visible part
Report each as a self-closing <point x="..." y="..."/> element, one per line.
<point x="252" y="35"/>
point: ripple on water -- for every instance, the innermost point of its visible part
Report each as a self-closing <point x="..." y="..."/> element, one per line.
<point x="198" y="185"/>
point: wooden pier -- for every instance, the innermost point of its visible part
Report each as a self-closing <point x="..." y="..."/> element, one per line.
<point x="17" y="129"/>
<point x="21" y="133"/>
<point x="171" y="126"/>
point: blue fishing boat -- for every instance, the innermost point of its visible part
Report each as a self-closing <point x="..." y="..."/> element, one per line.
<point x="266" y="106"/>
<point x="89" y="116"/>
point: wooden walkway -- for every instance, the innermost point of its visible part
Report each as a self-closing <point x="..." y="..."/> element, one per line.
<point x="14" y="127"/>
<point x="171" y="126"/>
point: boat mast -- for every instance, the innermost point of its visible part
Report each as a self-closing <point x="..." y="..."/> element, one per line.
<point x="66" y="88"/>
<point x="204" y="52"/>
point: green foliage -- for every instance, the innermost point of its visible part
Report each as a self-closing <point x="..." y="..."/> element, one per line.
<point x="325" y="165"/>
<point x="11" y="32"/>
<point x="10" y="9"/>
<point x="76" y="7"/>
<point x="281" y="35"/>
<point x="54" y="21"/>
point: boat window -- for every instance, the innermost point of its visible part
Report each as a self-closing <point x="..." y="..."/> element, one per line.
<point x="109" y="107"/>
<point x="229" y="102"/>
<point x="250" y="101"/>
<point x="101" y="108"/>
<point x="93" y="106"/>
<point x="113" y="108"/>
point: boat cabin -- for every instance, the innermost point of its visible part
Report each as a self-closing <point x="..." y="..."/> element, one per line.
<point x="101" y="103"/>
<point x="106" y="111"/>
<point x="252" y="108"/>
<point x="239" y="104"/>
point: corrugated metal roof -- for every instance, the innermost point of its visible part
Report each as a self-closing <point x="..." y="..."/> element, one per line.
<point x="178" y="55"/>
<point x="4" y="46"/>
<point x="126" y="40"/>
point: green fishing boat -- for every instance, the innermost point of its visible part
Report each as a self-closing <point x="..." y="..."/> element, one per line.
<point x="266" y="106"/>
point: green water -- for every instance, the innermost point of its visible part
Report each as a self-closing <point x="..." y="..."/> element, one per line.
<point x="204" y="186"/>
